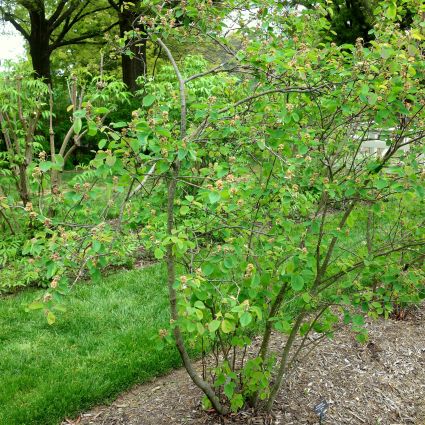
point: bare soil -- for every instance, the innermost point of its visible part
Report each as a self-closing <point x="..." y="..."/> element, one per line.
<point x="378" y="383"/>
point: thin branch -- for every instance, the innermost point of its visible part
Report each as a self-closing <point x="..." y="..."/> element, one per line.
<point x="82" y="37"/>
<point x="143" y="182"/>
<point x="203" y="74"/>
<point x="181" y="88"/>
<point x="273" y="91"/>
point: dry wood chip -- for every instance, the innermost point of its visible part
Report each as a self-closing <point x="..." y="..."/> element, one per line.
<point x="379" y="383"/>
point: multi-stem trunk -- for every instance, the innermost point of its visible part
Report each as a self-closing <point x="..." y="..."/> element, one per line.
<point x="171" y="279"/>
<point x="262" y="354"/>
<point x="171" y="258"/>
<point x="284" y="361"/>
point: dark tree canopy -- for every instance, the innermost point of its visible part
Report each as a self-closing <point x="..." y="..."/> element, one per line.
<point x="47" y="25"/>
<point x="352" y="19"/>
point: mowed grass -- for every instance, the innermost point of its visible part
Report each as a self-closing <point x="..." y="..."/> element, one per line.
<point x="99" y="347"/>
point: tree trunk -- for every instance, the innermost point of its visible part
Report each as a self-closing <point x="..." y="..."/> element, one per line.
<point x="133" y="65"/>
<point x="23" y="184"/>
<point x="39" y="45"/>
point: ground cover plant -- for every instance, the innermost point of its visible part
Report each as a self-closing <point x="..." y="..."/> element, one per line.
<point x="247" y="174"/>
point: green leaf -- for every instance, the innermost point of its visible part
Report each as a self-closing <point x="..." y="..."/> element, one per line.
<point x="148" y="100"/>
<point x="51" y="318"/>
<point x="80" y="113"/>
<point x="45" y="166"/>
<point x="92" y="129"/>
<point x="181" y="154"/>
<point x="229" y="262"/>
<point x="229" y="389"/>
<point x="350" y="191"/>
<point x="362" y="337"/>
<point x="36" y="305"/>
<point x="77" y="125"/>
<point x="94" y="272"/>
<point x="184" y="210"/>
<point x="295" y="117"/>
<point x="162" y="166"/>
<point x="381" y="183"/>
<point x="257" y="311"/>
<point x="289" y="267"/>
<point x="135" y="145"/>
<point x="245" y="319"/>
<point x="201" y="329"/>
<point x="391" y="11"/>
<point x="297" y="282"/>
<point x="102" y="143"/>
<point x="199" y="304"/>
<point x="159" y="253"/>
<point x="96" y="247"/>
<point x="237" y="402"/>
<point x="72" y="196"/>
<point x="60" y="308"/>
<point x="227" y="326"/>
<point x="208" y="269"/>
<point x="283" y="326"/>
<point x="213" y="325"/>
<point x="386" y="52"/>
<point x="420" y="190"/>
<point x="411" y="70"/>
<point x="119" y="124"/>
<point x="358" y="320"/>
<point x="110" y="160"/>
<point x="101" y="110"/>
<point x="58" y="159"/>
<point x="364" y="90"/>
<point x="51" y="269"/>
<point x="372" y="98"/>
<point x="306" y="297"/>
<point x="214" y="197"/>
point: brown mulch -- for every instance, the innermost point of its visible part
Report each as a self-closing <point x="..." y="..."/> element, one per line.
<point x="379" y="383"/>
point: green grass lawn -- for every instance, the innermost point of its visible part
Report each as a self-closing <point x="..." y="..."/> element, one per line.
<point x="99" y="347"/>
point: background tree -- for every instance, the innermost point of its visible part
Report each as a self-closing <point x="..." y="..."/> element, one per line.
<point x="134" y="56"/>
<point x="353" y="19"/>
<point x="133" y="21"/>
<point x="47" y="26"/>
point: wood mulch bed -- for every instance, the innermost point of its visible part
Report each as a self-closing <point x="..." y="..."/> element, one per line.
<point x="379" y="383"/>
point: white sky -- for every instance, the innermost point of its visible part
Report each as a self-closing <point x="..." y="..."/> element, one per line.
<point x="11" y="43"/>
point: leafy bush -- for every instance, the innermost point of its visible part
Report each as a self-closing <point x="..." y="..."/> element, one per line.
<point x="250" y="179"/>
<point x="277" y="214"/>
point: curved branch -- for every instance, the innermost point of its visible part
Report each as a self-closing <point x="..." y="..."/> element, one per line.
<point x="9" y="18"/>
<point x="170" y="257"/>
<point x="51" y="21"/>
<point x="81" y="38"/>
<point x="181" y="88"/>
